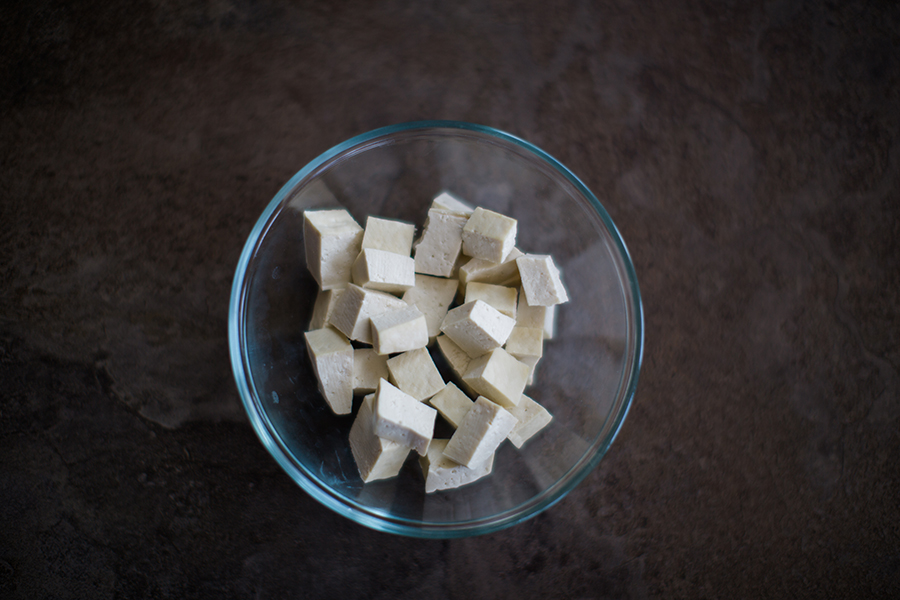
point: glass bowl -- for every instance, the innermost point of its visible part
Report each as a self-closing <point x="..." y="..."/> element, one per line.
<point x="586" y="378"/>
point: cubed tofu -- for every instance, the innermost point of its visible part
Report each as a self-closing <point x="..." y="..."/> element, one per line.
<point x="456" y="357"/>
<point x="489" y="235"/>
<point x="537" y="317"/>
<point x="324" y="306"/>
<point x="452" y="404"/>
<point x="376" y="457"/>
<point x="414" y="372"/>
<point x="485" y="271"/>
<point x="443" y="473"/>
<point x="479" y="435"/>
<point x="500" y="297"/>
<point x="477" y="327"/>
<point x="433" y="296"/>
<point x="540" y="280"/>
<point x="448" y="202"/>
<point x="526" y="344"/>
<point x="388" y="235"/>
<point x="399" y="330"/>
<point x="354" y="309"/>
<point x="498" y="376"/>
<point x="531" y="417"/>
<point x="437" y="250"/>
<point x="384" y="271"/>
<point x="369" y="368"/>
<point x="332" y="240"/>
<point x="401" y="418"/>
<point x="492" y="342"/>
<point x="331" y="355"/>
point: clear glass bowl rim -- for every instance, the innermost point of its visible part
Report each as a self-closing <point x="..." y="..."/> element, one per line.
<point x="382" y="521"/>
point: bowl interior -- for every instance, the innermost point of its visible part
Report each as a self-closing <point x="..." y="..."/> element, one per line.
<point x="586" y="377"/>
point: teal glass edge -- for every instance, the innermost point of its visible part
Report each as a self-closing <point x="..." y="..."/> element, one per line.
<point x="308" y="481"/>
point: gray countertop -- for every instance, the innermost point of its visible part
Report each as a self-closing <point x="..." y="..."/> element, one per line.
<point x="748" y="153"/>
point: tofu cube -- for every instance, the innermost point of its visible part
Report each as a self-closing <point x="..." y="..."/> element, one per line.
<point x="369" y="368"/>
<point x="455" y="356"/>
<point x="439" y="247"/>
<point x="481" y="432"/>
<point x="433" y="296"/>
<point x="526" y="344"/>
<point x="388" y="235"/>
<point x="477" y="327"/>
<point x="452" y="403"/>
<point x="354" y="309"/>
<point x="457" y="359"/>
<point x="489" y="235"/>
<point x="399" y="330"/>
<point x="498" y="376"/>
<point x="531" y="417"/>
<point x="448" y="202"/>
<point x="414" y="372"/>
<point x="384" y="271"/>
<point x="537" y="317"/>
<point x="540" y="280"/>
<point x="442" y="473"/>
<point x="401" y="418"/>
<point x="324" y="306"/>
<point x="500" y="297"/>
<point x="376" y="458"/>
<point x="331" y="355"/>
<point x="332" y="240"/>
<point x="485" y="271"/>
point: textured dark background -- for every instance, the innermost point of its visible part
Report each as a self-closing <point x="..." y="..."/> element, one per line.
<point x="748" y="152"/>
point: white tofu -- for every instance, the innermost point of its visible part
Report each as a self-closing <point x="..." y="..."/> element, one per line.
<point x="354" y="309"/>
<point x="399" y="330"/>
<point x="448" y="202"/>
<point x="332" y="241"/>
<point x="401" y="418"/>
<point x="368" y="368"/>
<point x="456" y="356"/>
<point x="526" y="344"/>
<point x="500" y="297"/>
<point x="376" y="458"/>
<point x="443" y="473"/>
<point x="433" y="296"/>
<point x="481" y="432"/>
<point x="477" y="327"/>
<point x="414" y="372"/>
<point x="540" y="280"/>
<point x="331" y="355"/>
<point x="324" y="306"/>
<point x="384" y="271"/>
<point x="485" y="271"/>
<point x="531" y="417"/>
<point x="537" y="317"/>
<point x="452" y="403"/>
<point x="489" y="235"/>
<point x="437" y="250"/>
<point x="498" y="376"/>
<point x="388" y="235"/>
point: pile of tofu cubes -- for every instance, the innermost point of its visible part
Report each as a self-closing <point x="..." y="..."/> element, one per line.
<point x="464" y="290"/>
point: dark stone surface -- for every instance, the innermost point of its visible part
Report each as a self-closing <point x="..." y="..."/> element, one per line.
<point x="747" y="151"/>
